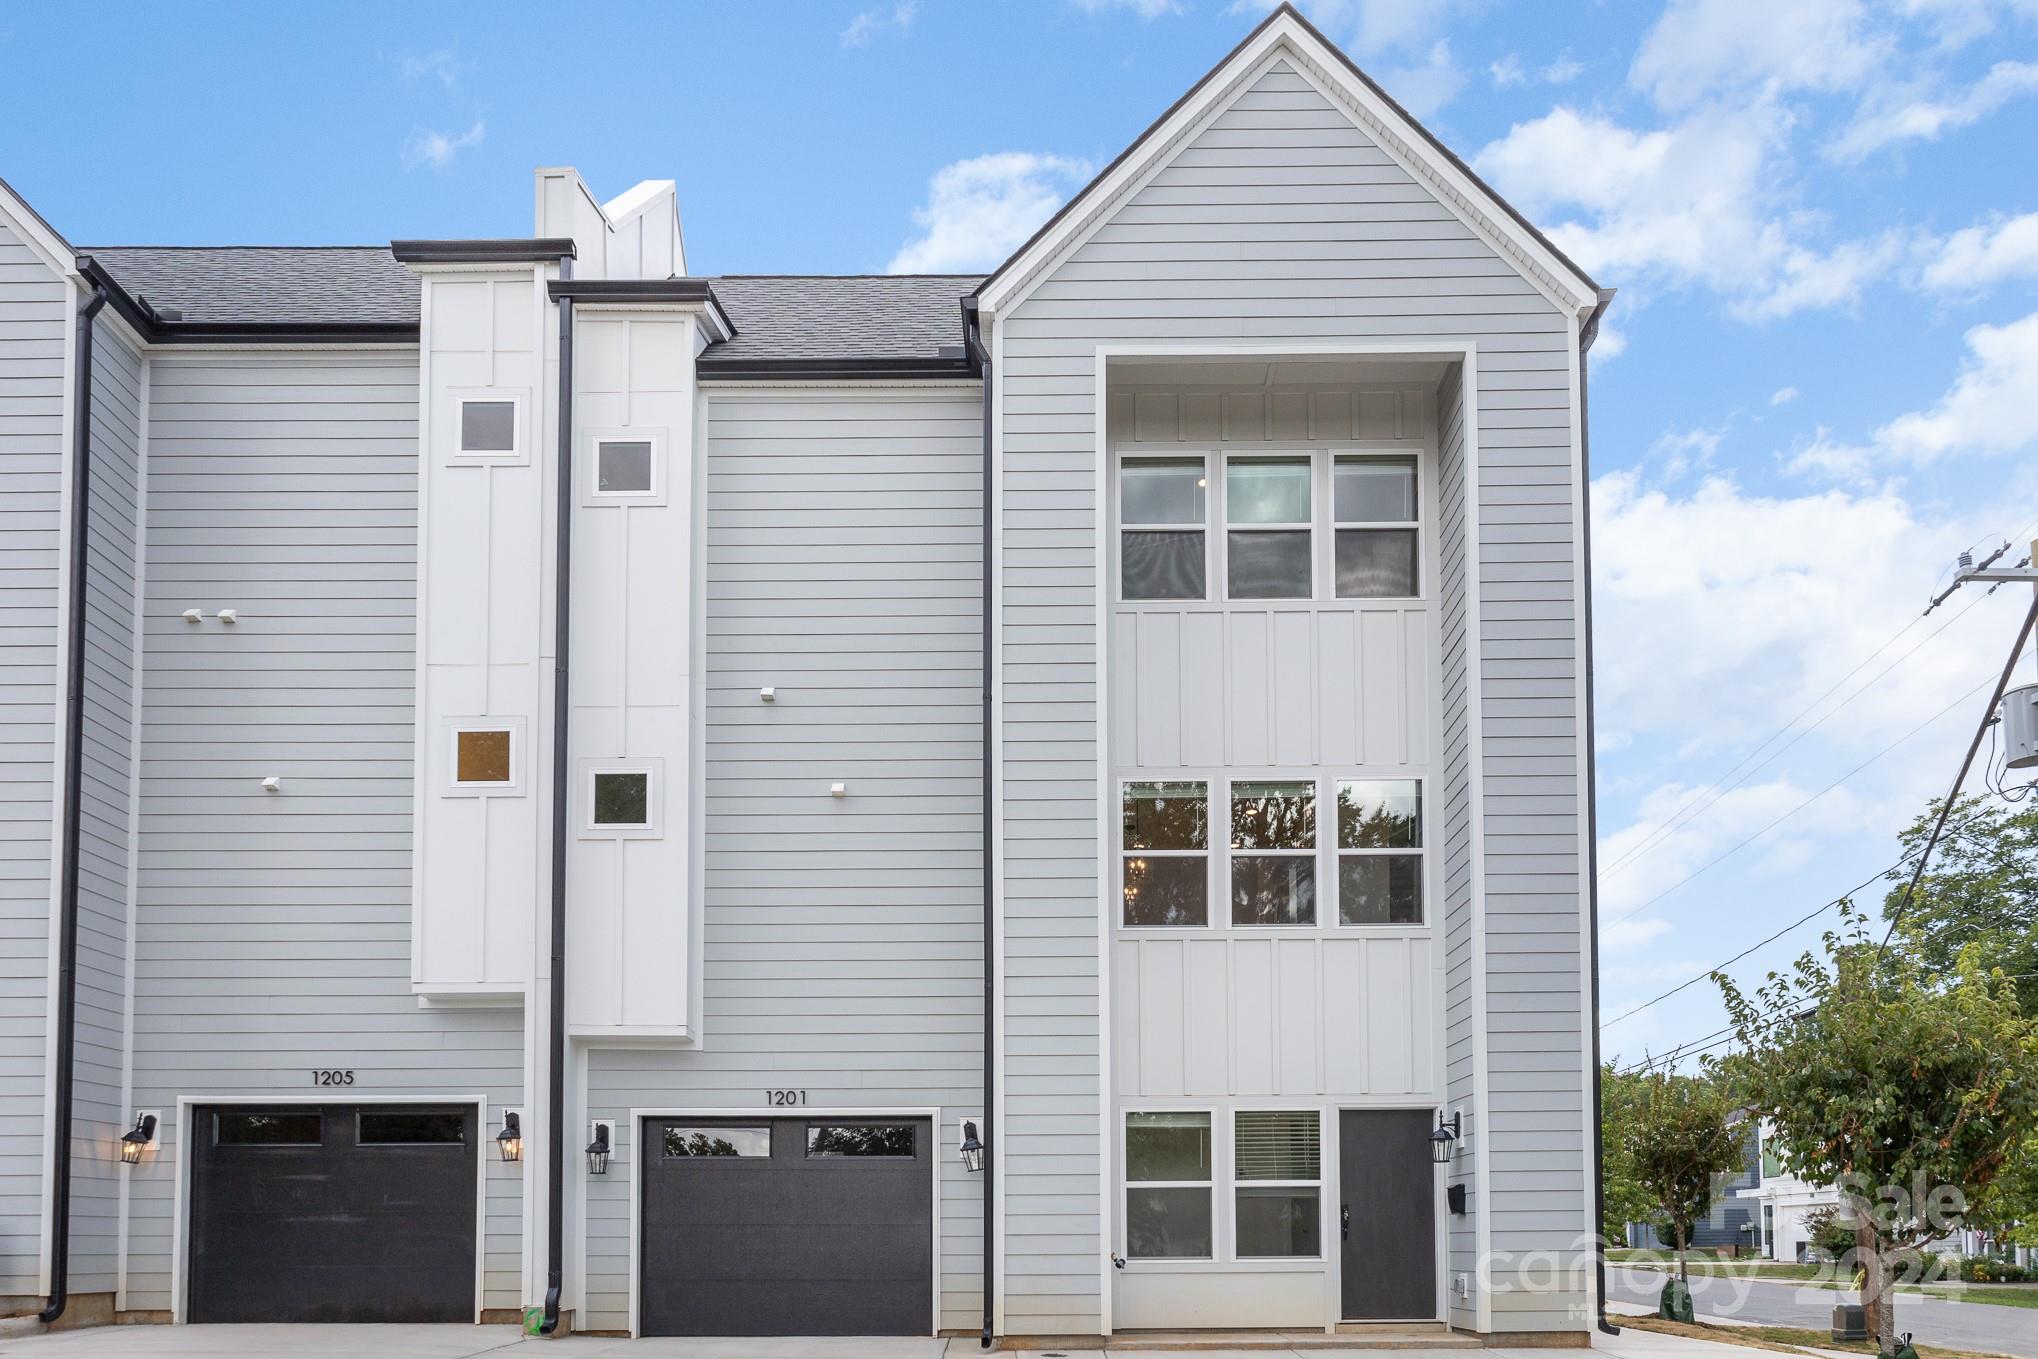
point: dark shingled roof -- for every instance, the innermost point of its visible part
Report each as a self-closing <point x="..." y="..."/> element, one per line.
<point x="859" y="316"/>
<point x="777" y="317"/>
<point x="267" y="283"/>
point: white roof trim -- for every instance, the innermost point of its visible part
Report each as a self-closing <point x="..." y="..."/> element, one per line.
<point x="1285" y="35"/>
<point x="38" y="235"/>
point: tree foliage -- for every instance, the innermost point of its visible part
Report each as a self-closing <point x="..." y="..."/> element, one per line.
<point x="1907" y="1087"/>
<point x="1627" y="1199"/>
<point x="1980" y="890"/>
<point x="1682" y="1138"/>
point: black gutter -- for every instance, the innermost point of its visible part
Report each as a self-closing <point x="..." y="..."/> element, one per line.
<point x="980" y="358"/>
<point x="562" y="637"/>
<point x="1586" y="335"/>
<point x="74" y="805"/>
<point x="646" y="290"/>
<point x="539" y="250"/>
<point x="833" y="370"/>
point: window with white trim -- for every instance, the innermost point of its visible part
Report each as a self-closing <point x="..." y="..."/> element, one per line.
<point x="1269" y="526"/>
<point x="625" y="467"/>
<point x="1374" y="514"/>
<point x="489" y="425"/>
<point x="1163" y="515"/>
<point x="1168" y="1186"/>
<point x="619" y="799"/>
<point x="1273" y="861"/>
<point x="1277" y="1190"/>
<point x="484" y="757"/>
<point x="1379" y="852"/>
<point x="1165" y="847"/>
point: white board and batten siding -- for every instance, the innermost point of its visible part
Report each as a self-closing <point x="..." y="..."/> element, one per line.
<point x="843" y="937"/>
<point x="35" y="302"/>
<point x="1278" y="222"/>
<point x="273" y="930"/>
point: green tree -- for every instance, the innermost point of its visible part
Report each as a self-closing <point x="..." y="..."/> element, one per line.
<point x="1682" y="1138"/>
<point x="1981" y="889"/>
<point x="1905" y="1087"/>
<point x="1627" y="1199"/>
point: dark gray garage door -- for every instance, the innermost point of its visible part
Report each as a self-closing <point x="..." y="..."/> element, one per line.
<point x="334" y="1212"/>
<point x="804" y="1226"/>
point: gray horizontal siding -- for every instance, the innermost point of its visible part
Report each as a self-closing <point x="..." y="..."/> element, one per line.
<point x="843" y="949"/>
<point x="273" y="932"/>
<point x="1245" y="237"/>
<point x="33" y="300"/>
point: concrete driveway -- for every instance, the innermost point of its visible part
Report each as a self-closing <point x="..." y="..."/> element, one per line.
<point x="1978" y="1326"/>
<point x="466" y="1342"/>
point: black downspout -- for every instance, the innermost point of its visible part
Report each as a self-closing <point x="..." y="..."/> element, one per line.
<point x="1586" y="335"/>
<point x="973" y="337"/>
<point x="74" y="802"/>
<point x="562" y="577"/>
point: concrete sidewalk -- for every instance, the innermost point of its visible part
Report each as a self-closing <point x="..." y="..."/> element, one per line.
<point x="502" y="1342"/>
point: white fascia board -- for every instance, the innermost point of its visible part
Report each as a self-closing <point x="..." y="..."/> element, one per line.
<point x="37" y="234"/>
<point x="1287" y="35"/>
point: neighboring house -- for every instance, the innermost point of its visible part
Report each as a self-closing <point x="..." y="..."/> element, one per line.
<point x="1732" y="1222"/>
<point x="745" y="736"/>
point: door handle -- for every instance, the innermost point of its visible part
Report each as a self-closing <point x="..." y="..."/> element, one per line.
<point x="1344" y="1221"/>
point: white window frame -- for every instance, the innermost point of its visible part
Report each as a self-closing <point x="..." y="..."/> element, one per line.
<point x="517" y="451"/>
<point x="452" y="728"/>
<point x="1420" y="853"/>
<point x="1208" y="854"/>
<point x="1310" y="458"/>
<point x="590" y="478"/>
<point x="1412" y="456"/>
<point x="1220" y="1225"/>
<point x="654" y="803"/>
<point x="1317" y="1184"/>
<point x="1211" y="492"/>
<point x="1314" y="853"/>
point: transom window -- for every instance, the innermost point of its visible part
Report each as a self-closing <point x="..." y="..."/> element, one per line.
<point x="1379" y="852"/>
<point x="1373" y="509"/>
<point x="1273" y="861"/>
<point x="488" y="425"/>
<point x="1267" y="528"/>
<point x="1163" y="505"/>
<point x="1165" y="848"/>
<point x="1168" y="1186"/>
<point x="1277" y="1192"/>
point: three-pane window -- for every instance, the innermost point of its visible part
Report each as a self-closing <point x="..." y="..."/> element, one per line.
<point x="1165" y="844"/>
<point x="1273" y="860"/>
<point x="1167" y="1186"/>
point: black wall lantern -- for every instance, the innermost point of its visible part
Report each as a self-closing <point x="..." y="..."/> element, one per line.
<point x="136" y="1139"/>
<point x="510" y="1141"/>
<point x="598" y="1151"/>
<point x="1444" y="1140"/>
<point x="972" y="1147"/>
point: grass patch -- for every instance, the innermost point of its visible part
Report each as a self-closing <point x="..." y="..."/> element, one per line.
<point x="1782" y="1339"/>
<point x="1821" y="1276"/>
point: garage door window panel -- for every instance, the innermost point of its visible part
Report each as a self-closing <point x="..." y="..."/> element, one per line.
<point x="287" y="1129"/>
<point x="860" y="1139"/>
<point x="710" y="1141"/>
<point x="405" y="1129"/>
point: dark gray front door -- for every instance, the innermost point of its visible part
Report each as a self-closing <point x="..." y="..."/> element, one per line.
<point x="789" y="1226"/>
<point x="332" y="1212"/>
<point x="1388" y="1215"/>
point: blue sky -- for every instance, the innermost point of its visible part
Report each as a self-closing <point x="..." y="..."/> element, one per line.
<point x="1820" y="381"/>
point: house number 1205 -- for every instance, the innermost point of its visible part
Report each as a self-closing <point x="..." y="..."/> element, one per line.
<point x="785" y="1097"/>
<point x="332" y="1078"/>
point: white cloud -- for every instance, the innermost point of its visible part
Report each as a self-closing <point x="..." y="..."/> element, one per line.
<point x="872" y="22"/>
<point x="442" y="66"/>
<point x="1612" y="342"/>
<point x="1703" y="49"/>
<point x="1678" y="453"/>
<point x="1427" y="85"/>
<point x="1991" y="406"/>
<point x="979" y="210"/>
<point x="1973" y="259"/>
<point x="1783" y="396"/>
<point x="427" y="147"/>
<point x="1510" y="71"/>
<point x="1145" y="9"/>
<point x="1928" y="119"/>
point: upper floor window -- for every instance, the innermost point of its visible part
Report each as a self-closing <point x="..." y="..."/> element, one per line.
<point x="1163" y="506"/>
<point x="1267" y="528"/>
<point x="1165" y="846"/>
<point x="488" y="425"/>
<point x="1379" y="852"/>
<point x="1273" y="861"/>
<point x="1374" y="510"/>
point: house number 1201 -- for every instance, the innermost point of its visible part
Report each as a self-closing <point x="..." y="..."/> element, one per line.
<point x="785" y="1097"/>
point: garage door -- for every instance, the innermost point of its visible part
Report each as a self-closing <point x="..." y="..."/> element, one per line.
<point x="332" y="1213"/>
<point x="788" y="1227"/>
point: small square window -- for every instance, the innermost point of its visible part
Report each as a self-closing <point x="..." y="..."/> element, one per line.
<point x="488" y="426"/>
<point x="622" y="798"/>
<point x="482" y="756"/>
<point x="623" y="467"/>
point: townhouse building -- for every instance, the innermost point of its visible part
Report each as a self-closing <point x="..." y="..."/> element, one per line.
<point x="1045" y="804"/>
